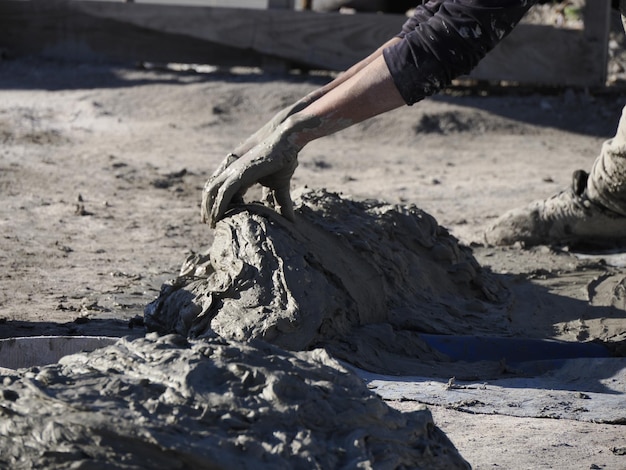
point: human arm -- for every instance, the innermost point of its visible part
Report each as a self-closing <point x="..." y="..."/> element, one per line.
<point x="305" y="101"/>
<point x="442" y="40"/>
<point x="270" y="155"/>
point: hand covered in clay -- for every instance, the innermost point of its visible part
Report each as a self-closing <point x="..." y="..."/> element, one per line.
<point x="271" y="163"/>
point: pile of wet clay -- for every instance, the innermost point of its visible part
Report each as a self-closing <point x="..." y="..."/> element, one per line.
<point x="360" y="279"/>
<point x="171" y="403"/>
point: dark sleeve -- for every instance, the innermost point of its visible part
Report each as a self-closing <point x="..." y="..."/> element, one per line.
<point x="447" y="38"/>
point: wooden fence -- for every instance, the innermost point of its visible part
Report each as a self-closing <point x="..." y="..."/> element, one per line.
<point x="249" y="32"/>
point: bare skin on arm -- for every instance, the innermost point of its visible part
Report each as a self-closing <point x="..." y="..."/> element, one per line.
<point x="269" y="156"/>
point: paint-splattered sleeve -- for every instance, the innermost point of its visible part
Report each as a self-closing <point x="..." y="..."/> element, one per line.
<point x="447" y="38"/>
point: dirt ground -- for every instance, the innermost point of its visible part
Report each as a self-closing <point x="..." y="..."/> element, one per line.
<point x="101" y="171"/>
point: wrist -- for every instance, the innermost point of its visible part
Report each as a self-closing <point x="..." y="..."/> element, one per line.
<point x="299" y="129"/>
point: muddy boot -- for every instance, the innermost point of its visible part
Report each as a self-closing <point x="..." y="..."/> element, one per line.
<point x="592" y="210"/>
<point x="570" y="216"/>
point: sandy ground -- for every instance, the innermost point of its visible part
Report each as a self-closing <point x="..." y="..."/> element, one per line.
<point x="101" y="171"/>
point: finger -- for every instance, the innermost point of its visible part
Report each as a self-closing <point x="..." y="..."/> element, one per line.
<point x="223" y="196"/>
<point x="218" y="192"/>
<point x="208" y="197"/>
<point x="284" y="204"/>
<point x="212" y="185"/>
<point x="233" y="183"/>
<point x="228" y="161"/>
<point x="204" y="215"/>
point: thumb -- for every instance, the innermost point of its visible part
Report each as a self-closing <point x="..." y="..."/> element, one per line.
<point x="283" y="202"/>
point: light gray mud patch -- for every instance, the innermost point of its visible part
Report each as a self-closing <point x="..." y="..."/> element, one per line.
<point x="164" y="403"/>
<point x="361" y="279"/>
<point x="559" y="296"/>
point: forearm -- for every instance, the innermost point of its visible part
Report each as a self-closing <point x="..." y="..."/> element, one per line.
<point x="364" y="94"/>
<point x="307" y="100"/>
<point x="345" y="76"/>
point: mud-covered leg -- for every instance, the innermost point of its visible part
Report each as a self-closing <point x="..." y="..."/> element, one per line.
<point x="592" y="209"/>
<point x="607" y="179"/>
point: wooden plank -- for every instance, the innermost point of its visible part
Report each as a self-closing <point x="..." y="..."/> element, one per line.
<point x="277" y="4"/>
<point x="597" y="20"/>
<point x="51" y="29"/>
<point x="543" y="55"/>
<point x="553" y="56"/>
<point x="531" y="54"/>
<point x="323" y="40"/>
<point x="251" y="4"/>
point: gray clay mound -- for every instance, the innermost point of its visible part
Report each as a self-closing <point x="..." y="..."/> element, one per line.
<point x="361" y="279"/>
<point x="168" y="403"/>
